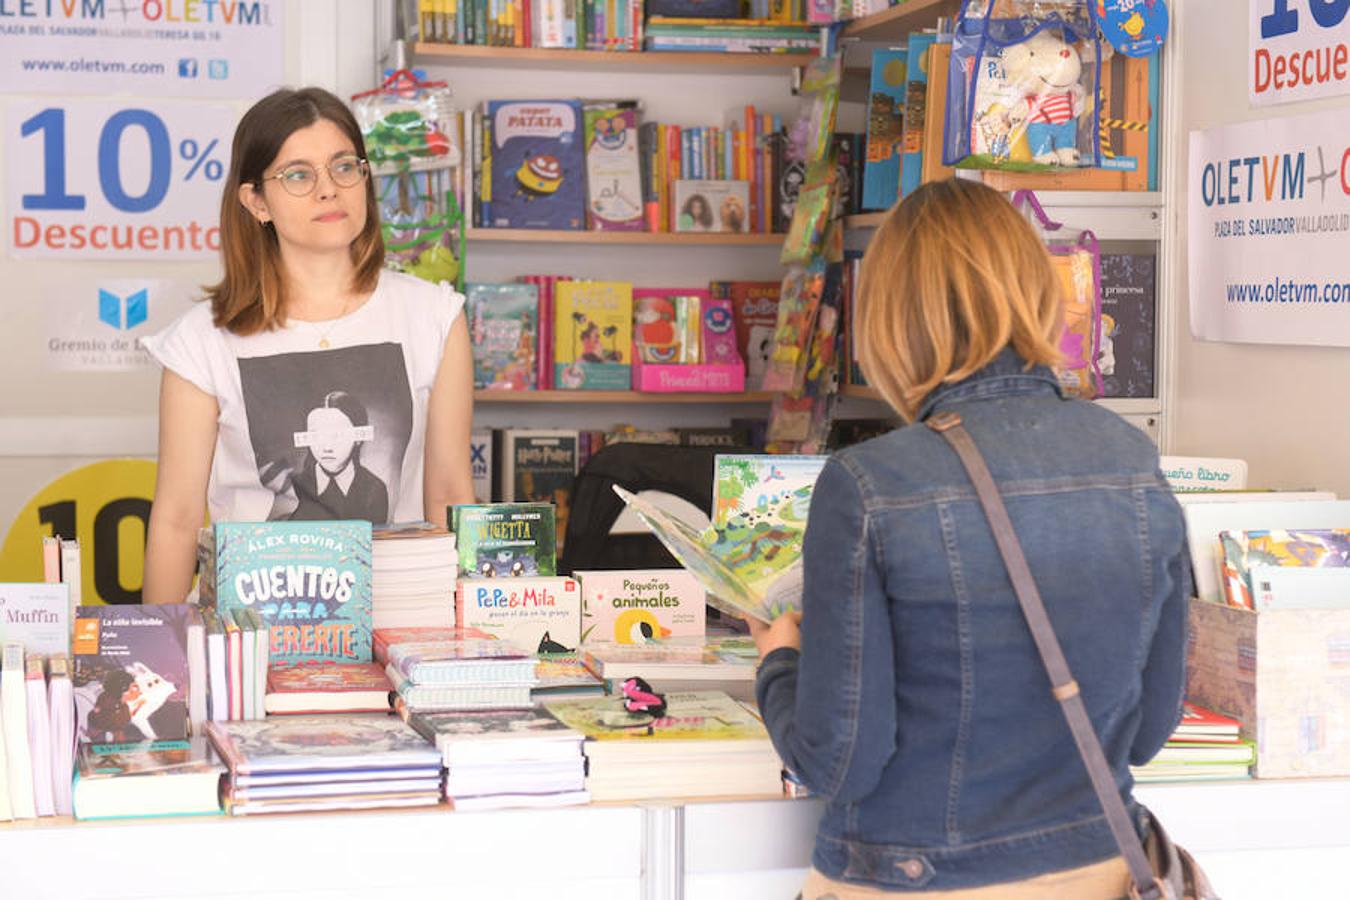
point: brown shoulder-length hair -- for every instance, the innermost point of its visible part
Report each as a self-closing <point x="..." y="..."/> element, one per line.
<point x="251" y="296"/>
<point x="953" y="275"/>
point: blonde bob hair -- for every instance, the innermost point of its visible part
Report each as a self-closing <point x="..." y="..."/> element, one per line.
<point x="953" y="275"/>
<point x="251" y="297"/>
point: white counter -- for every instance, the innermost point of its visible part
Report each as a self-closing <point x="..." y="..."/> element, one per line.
<point x="1263" y="840"/>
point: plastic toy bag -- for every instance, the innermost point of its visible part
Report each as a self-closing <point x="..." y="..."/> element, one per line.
<point x="1023" y="88"/>
<point x="411" y="136"/>
<point x="1076" y="260"/>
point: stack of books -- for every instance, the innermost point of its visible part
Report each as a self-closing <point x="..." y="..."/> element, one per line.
<point x="564" y="676"/>
<point x="456" y="672"/>
<point x="301" y="763"/>
<point x="413" y="568"/>
<point x="706" y="745"/>
<point x="727" y="662"/>
<point x="158" y="778"/>
<point x="37" y="708"/>
<point x="705" y="35"/>
<point x="1206" y="746"/>
<point x="502" y="758"/>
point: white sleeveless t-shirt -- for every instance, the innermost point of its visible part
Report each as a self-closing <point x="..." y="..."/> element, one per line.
<point x="320" y="420"/>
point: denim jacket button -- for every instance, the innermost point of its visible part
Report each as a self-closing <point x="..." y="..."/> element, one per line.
<point x="912" y="868"/>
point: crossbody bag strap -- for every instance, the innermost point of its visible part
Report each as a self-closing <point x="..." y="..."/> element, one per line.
<point x="1063" y="685"/>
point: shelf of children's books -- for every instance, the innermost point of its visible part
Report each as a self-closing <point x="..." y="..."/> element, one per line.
<point x="650" y="238"/>
<point x="898" y="21"/>
<point x="1111" y="215"/>
<point x="691" y="63"/>
<point x="618" y="397"/>
<point x="1125" y="406"/>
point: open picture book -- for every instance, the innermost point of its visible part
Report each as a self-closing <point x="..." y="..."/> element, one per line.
<point x="750" y="558"/>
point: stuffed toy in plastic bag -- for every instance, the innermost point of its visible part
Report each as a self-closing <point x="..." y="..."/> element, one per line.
<point x="1023" y="86"/>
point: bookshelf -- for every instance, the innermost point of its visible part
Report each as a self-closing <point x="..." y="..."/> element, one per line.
<point x="614" y="397"/>
<point x="635" y="61"/>
<point x="895" y="23"/>
<point x="646" y="238"/>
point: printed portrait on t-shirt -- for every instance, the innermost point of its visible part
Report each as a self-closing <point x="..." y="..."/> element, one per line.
<point x="329" y="430"/>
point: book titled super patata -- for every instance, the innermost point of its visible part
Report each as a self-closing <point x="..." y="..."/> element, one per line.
<point x="309" y="581"/>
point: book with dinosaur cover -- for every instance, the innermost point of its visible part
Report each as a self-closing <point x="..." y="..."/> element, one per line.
<point x="505" y="539"/>
<point x="131" y="673"/>
<point x="641" y="606"/>
<point x="36" y="615"/>
<point x="542" y="615"/>
<point x="749" y="559"/>
<point x="310" y="582"/>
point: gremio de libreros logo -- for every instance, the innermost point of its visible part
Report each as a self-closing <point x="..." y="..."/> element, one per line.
<point x="123" y="312"/>
<point x="98" y="327"/>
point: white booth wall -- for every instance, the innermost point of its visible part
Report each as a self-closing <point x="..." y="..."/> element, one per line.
<point x="1274" y="406"/>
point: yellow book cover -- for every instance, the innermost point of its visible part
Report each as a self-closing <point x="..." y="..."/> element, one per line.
<point x="593" y="335"/>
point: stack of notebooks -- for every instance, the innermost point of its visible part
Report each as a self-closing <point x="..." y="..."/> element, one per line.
<point x="1206" y="746"/>
<point x="443" y="670"/>
<point x="706" y="745"/>
<point x="159" y="778"/>
<point x="502" y="758"/>
<point x="412" y="575"/>
<point x="301" y="763"/>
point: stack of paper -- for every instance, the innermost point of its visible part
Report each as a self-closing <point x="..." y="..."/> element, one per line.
<point x="413" y="576"/>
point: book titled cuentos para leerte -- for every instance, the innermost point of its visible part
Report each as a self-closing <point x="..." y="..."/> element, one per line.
<point x="309" y="581"/>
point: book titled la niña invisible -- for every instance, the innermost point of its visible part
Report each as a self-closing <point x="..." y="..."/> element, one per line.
<point x="309" y="581"/>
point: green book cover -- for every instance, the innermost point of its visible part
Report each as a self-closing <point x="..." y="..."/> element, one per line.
<point x="689" y="716"/>
<point x="497" y="540"/>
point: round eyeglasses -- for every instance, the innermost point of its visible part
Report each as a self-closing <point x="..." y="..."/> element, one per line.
<point x="299" y="179"/>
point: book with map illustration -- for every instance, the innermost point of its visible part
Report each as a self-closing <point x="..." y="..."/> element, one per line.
<point x="749" y="559"/>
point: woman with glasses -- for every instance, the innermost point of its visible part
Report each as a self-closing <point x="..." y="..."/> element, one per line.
<point x="305" y="311"/>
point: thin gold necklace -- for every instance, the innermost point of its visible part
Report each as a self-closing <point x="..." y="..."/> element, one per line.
<point x="333" y="323"/>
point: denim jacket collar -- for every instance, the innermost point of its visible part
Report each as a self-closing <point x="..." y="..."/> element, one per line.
<point x="1005" y="375"/>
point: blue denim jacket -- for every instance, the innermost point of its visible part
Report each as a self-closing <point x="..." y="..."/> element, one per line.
<point x="918" y="706"/>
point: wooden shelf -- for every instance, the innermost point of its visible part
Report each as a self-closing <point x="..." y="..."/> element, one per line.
<point x="693" y="63"/>
<point x="861" y="391"/>
<point x="650" y="238"/>
<point x="864" y="220"/>
<point x="896" y="23"/>
<point x="616" y="397"/>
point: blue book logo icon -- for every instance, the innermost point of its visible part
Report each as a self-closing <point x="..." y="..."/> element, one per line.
<point x="110" y="308"/>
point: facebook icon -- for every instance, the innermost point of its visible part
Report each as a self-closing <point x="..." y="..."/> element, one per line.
<point x="187" y="68"/>
<point x="110" y="308"/>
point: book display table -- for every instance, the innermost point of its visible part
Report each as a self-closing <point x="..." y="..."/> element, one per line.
<point x="1257" y="839"/>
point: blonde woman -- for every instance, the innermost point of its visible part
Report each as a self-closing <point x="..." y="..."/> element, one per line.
<point x="308" y="350"/>
<point x="909" y="693"/>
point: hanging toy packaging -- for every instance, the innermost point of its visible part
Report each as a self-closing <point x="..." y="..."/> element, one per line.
<point x="1077" y="261"/>
<point x="410" y="133"/>
<point x="1023" y="88"/>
